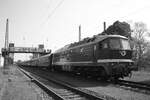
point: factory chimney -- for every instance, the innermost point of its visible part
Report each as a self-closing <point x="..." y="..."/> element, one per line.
<point x="6" y="46"/>
<point x="6" y="36"/>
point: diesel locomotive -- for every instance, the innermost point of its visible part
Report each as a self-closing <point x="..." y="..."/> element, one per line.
<point x="105" y="56"/>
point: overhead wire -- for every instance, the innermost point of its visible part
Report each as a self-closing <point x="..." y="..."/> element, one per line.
<point x="50" y="15"/>
<point x="52" y="12"/>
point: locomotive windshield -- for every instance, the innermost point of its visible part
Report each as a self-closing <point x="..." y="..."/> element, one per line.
<point x="117" y="43"/>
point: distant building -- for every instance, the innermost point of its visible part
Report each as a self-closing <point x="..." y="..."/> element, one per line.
<point x="40" y="48"/>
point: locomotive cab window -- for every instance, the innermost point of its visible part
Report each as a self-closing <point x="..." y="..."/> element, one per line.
<point x="125" y="44"/>
<point x="114" y="43"/>
<point x="119" y="43"/>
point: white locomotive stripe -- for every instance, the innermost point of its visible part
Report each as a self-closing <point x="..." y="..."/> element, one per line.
<point x="99" y="61"/>
<point x="113" y="60"/>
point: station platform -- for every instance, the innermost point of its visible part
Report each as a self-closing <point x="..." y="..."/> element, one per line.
<point x="14" y="85"/>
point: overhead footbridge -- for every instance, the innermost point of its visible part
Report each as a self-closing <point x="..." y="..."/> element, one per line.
<point x="8" y="53"/>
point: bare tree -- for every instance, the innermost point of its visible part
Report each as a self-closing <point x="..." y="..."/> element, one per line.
<point x="139" y="33"/>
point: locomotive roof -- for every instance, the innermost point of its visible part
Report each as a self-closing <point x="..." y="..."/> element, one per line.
<point x="96" y="38"/>
<point x="102" y="37"/>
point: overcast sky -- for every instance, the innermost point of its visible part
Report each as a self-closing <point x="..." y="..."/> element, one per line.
<point x="54" y="23"/>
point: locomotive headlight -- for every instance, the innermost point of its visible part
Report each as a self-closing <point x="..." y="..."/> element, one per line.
<point x="123" y="53"/>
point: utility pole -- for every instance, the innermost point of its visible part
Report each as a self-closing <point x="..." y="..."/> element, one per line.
<point x="0" y="59"/>
<point x="104" y="26"/>
<point x="79" y="32"/>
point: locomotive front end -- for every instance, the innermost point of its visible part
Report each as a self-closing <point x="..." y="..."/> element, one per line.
<point x="121" y="55"/>
<point x="121" y="69"/>
<point x="115" y="56"/>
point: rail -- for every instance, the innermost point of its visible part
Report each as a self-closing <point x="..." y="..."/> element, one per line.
<point x="134" y="84"/>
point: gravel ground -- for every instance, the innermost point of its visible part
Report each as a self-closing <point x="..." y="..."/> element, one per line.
<point x="140" y="76"/>
<point x="103" y="88"/>
<point x="15" y="86"/>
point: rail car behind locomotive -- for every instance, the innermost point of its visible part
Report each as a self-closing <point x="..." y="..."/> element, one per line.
<point x="105" y="56"/>
<point x="43" y="61"/>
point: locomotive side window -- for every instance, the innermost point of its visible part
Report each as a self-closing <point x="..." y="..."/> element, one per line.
<point x="103" y="45"/>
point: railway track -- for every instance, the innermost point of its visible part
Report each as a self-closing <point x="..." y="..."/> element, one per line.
<point x="141" y="86"/>
<point x="64" y="92"/>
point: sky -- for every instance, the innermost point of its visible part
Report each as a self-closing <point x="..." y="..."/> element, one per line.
<point x="55" y="23"/>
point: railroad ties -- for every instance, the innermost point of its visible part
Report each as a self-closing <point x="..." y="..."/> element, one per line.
<point x="60" y="91"/>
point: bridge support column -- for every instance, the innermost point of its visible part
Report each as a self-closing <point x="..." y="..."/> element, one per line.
<point x="6" y="61"/>
<point x="11" y="55"/>
<point x="6" y="58"/>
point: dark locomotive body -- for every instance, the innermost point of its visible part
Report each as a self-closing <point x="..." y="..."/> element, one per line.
<point x="107" y="56"/>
